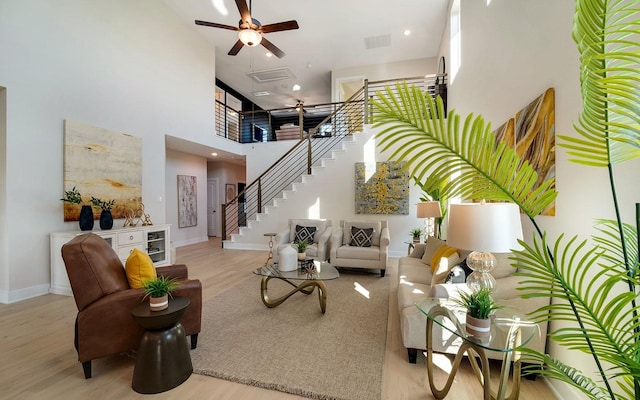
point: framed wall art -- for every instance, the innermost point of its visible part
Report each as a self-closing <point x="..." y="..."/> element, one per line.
<point x="104" y="164"/>
<point x="187" y="201"/>
<point x="230" y="192"/>
<point x="381" y="188"/>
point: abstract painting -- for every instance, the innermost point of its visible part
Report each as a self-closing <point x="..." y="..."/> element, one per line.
<point x="104" y="164"/>
<point x="381" y="188"/>
<point x="187" y="201"/>
<point x="532" y="134"/>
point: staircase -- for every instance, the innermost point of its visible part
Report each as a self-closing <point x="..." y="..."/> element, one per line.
<point x="314" y="179"/>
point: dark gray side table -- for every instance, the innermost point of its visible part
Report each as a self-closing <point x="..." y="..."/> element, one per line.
<point x="162" y="361"/>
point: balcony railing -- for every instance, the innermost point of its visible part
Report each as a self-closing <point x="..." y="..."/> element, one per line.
<point x="316" y="139"/>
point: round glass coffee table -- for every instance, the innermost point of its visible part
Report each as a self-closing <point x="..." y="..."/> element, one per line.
<point x="303" y="281"/>
<point x="509" y="331"/>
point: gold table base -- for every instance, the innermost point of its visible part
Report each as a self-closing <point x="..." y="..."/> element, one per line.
<point x="307" y="287"/>
<point x="482" y="372"/>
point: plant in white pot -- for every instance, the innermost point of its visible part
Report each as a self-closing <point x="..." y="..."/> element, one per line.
<point x="415" y="233"/>
<point x="302" y="248"/>
<point x="158" y="290"/>
<point x="479" y="305"/>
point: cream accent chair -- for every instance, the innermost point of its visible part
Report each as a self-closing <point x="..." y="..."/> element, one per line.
<point x="373" y="257"/>
<point x="415" y="282"/>
<point x="318" y="250"/>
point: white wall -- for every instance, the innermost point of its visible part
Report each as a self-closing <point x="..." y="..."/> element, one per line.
<point x="512" y="50"/>
<point x="128" y="66"/>
<point x="178" y="163"/>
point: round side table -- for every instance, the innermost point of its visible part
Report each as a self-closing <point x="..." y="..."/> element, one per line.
<point x="162" y="361"/>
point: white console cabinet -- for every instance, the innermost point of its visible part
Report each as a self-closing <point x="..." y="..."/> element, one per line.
<point x="153" y="239"/>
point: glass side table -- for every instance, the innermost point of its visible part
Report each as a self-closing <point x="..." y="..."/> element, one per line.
<point x="508" y="332"/>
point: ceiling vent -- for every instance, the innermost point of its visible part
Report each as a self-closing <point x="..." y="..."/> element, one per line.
<point x="373" y="42"/>
<point x="271" y="75"/>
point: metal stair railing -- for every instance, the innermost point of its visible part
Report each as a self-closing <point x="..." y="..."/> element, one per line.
<point x="347" y="119"/>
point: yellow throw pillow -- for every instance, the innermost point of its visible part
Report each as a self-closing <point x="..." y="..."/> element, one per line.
<point x="139" y="268"/>
<point x="443" y="251"/>
<point x="444" y="266"/>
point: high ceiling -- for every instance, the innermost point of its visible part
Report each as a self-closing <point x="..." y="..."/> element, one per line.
<point x="333" y="34"/>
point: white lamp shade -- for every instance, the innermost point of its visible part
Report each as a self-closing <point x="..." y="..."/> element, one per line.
<point x="429" y="209"/>
<point x="250" y="37"/>
<point x="486" y="227"/>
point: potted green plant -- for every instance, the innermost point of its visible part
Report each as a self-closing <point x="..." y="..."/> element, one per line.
<point x="73" y="197"/>
<point x="416" y="232"/>
<point x="479" y="305"/>
<point x="106" y="218"/>
<point x="158" y="290"/>
<point x="302" y="248"/>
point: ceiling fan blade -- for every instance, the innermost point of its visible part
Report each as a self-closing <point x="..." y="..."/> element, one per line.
<point x="236" y="48"/>
<point x="272" y="48"/>
<point x="280" y="26"/>
<point x="245" y="14"/>
<point x="215" y="25"/>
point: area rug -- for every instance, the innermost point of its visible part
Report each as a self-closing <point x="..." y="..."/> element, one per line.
<point x="294" y="348"/>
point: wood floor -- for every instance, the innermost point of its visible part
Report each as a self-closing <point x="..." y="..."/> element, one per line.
<point x="39" y="360"/>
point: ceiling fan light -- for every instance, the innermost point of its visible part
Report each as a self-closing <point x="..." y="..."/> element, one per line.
<point x="250" y="37"/>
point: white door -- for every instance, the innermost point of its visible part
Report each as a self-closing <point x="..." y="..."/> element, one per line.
<point x="212" y="207"/>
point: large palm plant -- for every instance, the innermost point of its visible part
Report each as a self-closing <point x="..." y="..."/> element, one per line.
<point x="594" y="284"/>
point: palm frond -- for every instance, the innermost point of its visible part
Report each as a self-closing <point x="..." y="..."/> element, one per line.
<point x="553" y="368"/>
<point x="583" y="285"/>
<point x="609" y="47"/>
<point x="415" y="131"/>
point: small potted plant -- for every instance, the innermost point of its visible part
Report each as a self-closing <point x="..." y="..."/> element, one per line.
<point x="158" y="290"/>
<point x="73" y="197"/>
<point x="479" y="305"/>
<point x="106" y="219"/>
<point x="416" y="232"/>
<point x="302" y="248"/>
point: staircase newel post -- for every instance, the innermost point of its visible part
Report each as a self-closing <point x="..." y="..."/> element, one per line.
<point x="366" y="101"/>
<point x="224" y="223"/>
<point x="309" y="154"/>
<point x="259" y="208"/>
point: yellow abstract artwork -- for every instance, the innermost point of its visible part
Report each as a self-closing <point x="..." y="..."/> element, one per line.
<point x="532" y="133"/>
<point x="104" y="164"/>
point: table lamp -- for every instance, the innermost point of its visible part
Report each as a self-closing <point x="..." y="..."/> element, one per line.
<point x="484" y="228"/>
<point x="429" y="210"/>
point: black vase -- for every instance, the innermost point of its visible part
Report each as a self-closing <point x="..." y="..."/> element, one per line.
<point x="106" y="220"/>
<point x="86" y="218"/>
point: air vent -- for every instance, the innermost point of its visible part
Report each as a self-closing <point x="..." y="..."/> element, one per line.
<point x="373" y="42"/>
<point x="261" y="93"/>
<point x="271" y="75"/>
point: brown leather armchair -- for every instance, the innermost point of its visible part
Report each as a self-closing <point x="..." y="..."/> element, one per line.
<point x="104" y="325"/>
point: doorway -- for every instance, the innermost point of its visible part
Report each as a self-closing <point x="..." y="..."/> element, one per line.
<point x="212" y="207"/>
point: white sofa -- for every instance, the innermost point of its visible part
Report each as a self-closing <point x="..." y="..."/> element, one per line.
<point x="345" y="252"/>
<point x="416" y="281"/>
<point x="317" y="250"/>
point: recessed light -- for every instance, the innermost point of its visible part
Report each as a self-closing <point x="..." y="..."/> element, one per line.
<point x="407" y="32"/>
<point x="268" y="54"/>
<point x="214" y="154"/>
<point x="296" y="87"/>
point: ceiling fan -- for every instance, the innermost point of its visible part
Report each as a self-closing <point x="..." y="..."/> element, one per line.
<point x="250" y="31"/>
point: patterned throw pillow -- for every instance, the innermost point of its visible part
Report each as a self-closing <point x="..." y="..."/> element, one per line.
<point x="304" y="233"/>
<point x="361" y="237"/>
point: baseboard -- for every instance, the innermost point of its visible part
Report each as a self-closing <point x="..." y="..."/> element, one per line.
<point x="8" y="297"/>
<point x="190" y="241"/>
<point x="228" y="244"/>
